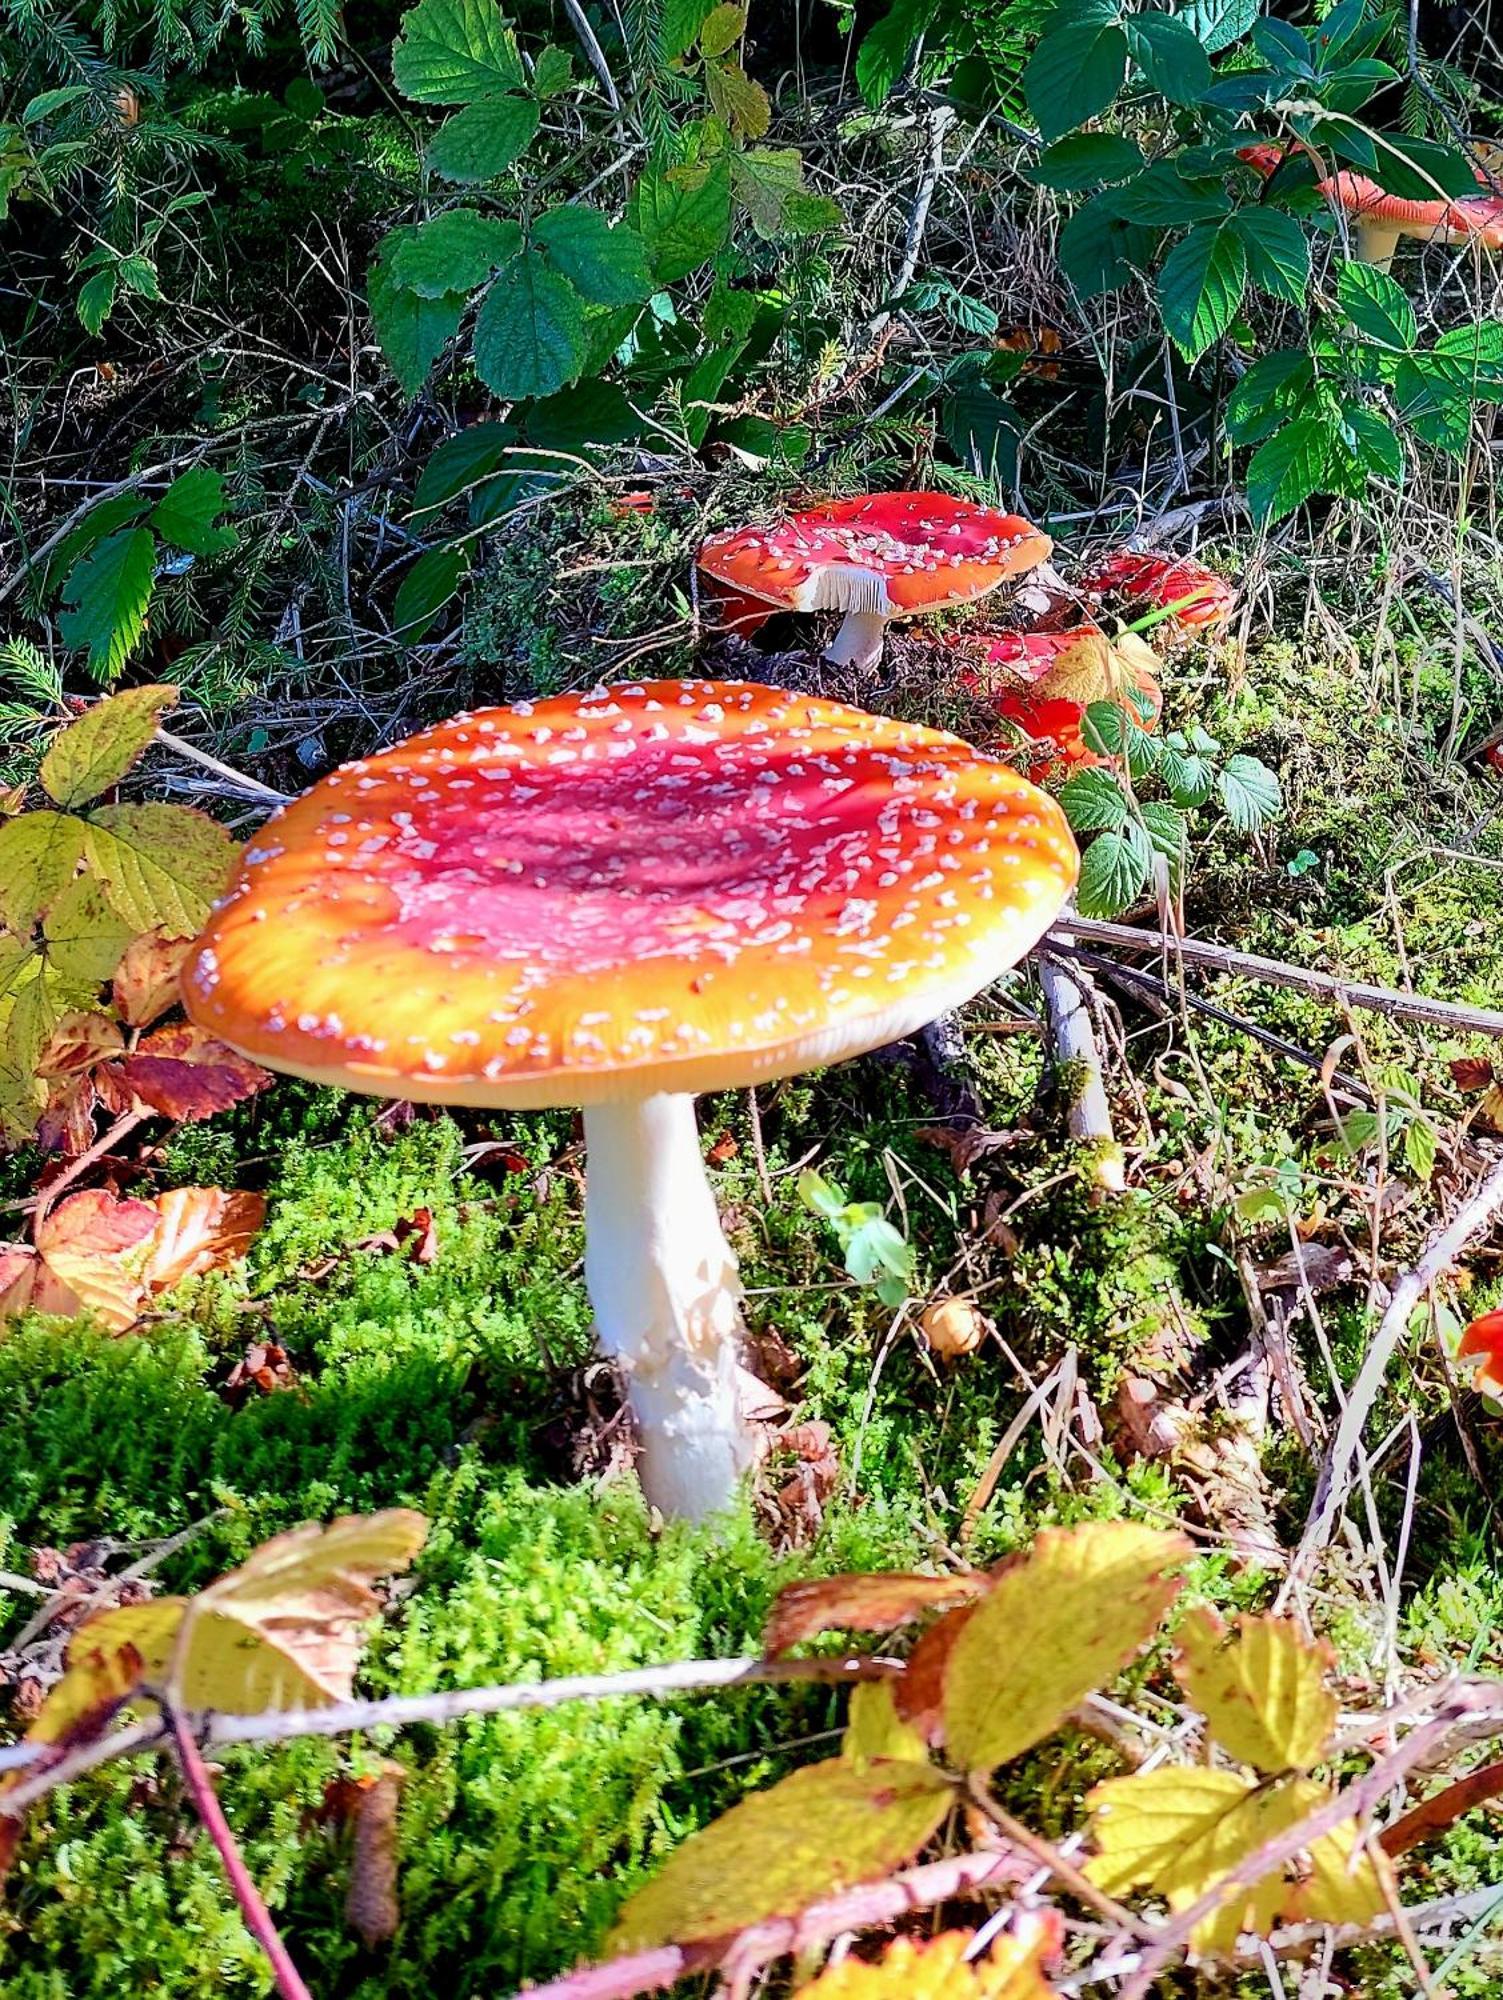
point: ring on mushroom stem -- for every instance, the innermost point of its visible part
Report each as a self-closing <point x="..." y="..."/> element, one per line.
<point x="616" y="900"/>
<point x="876" y="558"/>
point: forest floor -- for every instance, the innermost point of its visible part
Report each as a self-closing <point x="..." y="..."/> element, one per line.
<point x="1113" y="1380"/>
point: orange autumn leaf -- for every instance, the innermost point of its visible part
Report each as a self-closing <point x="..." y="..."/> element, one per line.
<point x="857" y="1603"/>
<point x="146" y="979"/>
<point x="200" y="1229"/>
<point x="79" y="1042"/>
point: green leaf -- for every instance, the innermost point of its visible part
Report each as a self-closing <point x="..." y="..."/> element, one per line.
<point x="1271" y="391"/>
<point x="1168" y="836"/>
<point x="1374" y="442"/>
<point x="823" y="1829"/>
<point x="592" y="413"/>
<point x="530" y="331"/>
<point x="1098" y="253"/>
<point x="1074" y="75"/>
<point x="1114" y="871"/>
<point x="1161" y="198"/>
<point x="48" y="102"/>
<point x="1216" y="24"/>
<point x="1278" y="252"/>
<point x="1293" y="464"/>
<point x="412" y="331"/>
<point x="1249" y="793"/>
<point x="455" y="52"/>
<point x="459" y="462"/>
<point x="1093" y="801"/>
<point x="95" y="752"/>
<point x="38" y="853"/>
<point x="481" y="141"/>
<point x="886" y="48"/>
<point x="768" y="181"/>
<point x="186" y="513"/>
<point x="427" y="587"/>
<point x="682" y="217"/>
<point x="140" y="275"/>
<point x="96" y="298"/>
<point x="607" y="265"/>
<point x="1170" y="56"/>
<point x="552" y="73"/>
<point x="738" y="99"/>
<point x="1376" y="306"/>
<point x="1200" y="287"/>
<point x="161" y="866"/>
<point x="108" y="592"/>
<point x="679" y="25"/>
<point x="1420" y="1148"/>
<point x="1433" y="402"/>
<point x="1189" y="777"/>
<point x="1087" y="160"/>
<point x="983" y="430"/>
<point x="454" y="252"/>
<point x="723" y="27"/>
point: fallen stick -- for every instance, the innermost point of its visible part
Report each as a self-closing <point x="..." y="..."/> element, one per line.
<point x="1275" y="972"/>
<point x="1072" y="1035"/>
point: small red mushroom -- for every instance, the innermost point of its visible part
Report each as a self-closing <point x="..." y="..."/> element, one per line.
<point x="1195" y="596"/>
<point x="1483" y="1342"/>
<point x="1044" y="682"/>
<point x="884" y="556"/>
<point x="727" y="609"/>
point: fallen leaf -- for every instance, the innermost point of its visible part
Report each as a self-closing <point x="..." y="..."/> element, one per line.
<point x="265" y="1366"/>
<point x="146" y="979"/>
<point x="417" y="1234"/>
<point x="825" y="1828"/>
<point x="199" y="1229"/>
<point x="857" y="1603"/>
<point x="967" y="1143"/>
<point x="186" y="1074"/>
<point x="371" y="1908"/>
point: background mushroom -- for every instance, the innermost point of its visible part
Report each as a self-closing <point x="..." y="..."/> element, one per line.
<point x="884" y="556"/>
<point x="1045" y="681"/>
<point x="616" y="901"/>
<point x="1381" y="220"/>
<point x="1195" y="597"/>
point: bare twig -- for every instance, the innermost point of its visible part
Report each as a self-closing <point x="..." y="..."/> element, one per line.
<point x="236" y="780"/>
<point x="1073" y="1036"/>
<point x="1442" y="1809"/>
<point x="938" y="120"/>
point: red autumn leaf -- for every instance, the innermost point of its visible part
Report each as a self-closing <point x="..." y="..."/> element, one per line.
<point x="82" y="1262"/>
<point x="918" y="1693"/>
<point x="66" y="1126"/>
<point x="186" y="1074"/>
<point x="857" y="1603"/>
<point x="146" y="979"/>
<point x="199" y="1229"/>
<point x="1471" y="1073"/>
<point x="80" y="1042"/>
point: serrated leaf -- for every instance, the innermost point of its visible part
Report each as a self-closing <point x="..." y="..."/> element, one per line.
<point x="459" y="462"/>
<point x="454" y="252"/>
<point x="412" y="331"/>
<point x="108" y="592"/>
<point x="1177" y="1831"/>
<point x="530" y="331"/>
<point x="146" y="979"/>
<point x="1290" y="466"/>
<point x="722" y="28"/>
<point x="682" y="221"/>
<point x="84" y="935"/>
<point x="888" y="44"/>
<point x="950" y="1967"/>
<point x="483" y="139"/>
<point x="875" y="1732"/>
<point x="199" y="1229"/>
<point x="1339" y="1889"/>
<point x="96" y="298"/>
<point x="1170" y="56"/>
<point x="161" y="865"/>
<point x="858" y="1602"/>
<point x="85" y="1244"/>
<point x="1200" y="287"/>
<point x="1054" y="1626"/>
<point x="184" y="1073"/>
<point x="1278" y="253"/>
<point x="98" y="749"/>
<point x="1162" y="198"/>
<point x="825" y="1828"/>
<point x="1087" y="160"/>
<point x="1098" y="253"/>
<point x="1376" y="306"/>
<point x="1168" y="836"/>
<point x="1249" y="792"/>
<point x="187" y="513"/>
<point x="1092" y="801"/>
<point x="455" y="52"/>
<point x="738" y="99"/>
<point x="1261" y="1687"/>
<point x="1272" y="391"/>
<point x="1114" y="872"/>
<point x="606" y="265"/>
<point x="553" y="72"/>
<point x="1075" y="74"/>
<point x="427" y="587"/>
<point x="38" y="853"/>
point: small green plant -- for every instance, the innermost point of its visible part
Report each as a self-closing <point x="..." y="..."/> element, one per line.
<point x="1190" y="771"/>
<point x="875" y="1252"/>
<point x="1399" y="1121"/>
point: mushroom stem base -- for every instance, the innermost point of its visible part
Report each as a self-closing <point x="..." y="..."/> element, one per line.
<point x="858" y="643"/>
<point x="662" y="1281"/>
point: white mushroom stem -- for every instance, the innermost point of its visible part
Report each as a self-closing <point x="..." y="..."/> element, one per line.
<point x="662" y="1280"/>
<point x="1088" y="1114"/>
<point x="858" y="643"/>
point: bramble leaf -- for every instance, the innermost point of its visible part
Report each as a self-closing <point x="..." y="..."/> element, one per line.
<point x="482" y="141"/>
<point x="530" y="331"/>
<point x="95" y="752"/>
<point x="455" y="52"/>
<point x="942" y="1968"/>
<point x="182" y="1072"/>
<point x="187" y="513"/>
<point x="161" y="865"/>
<point x="857" y="1603"/>
<point x="1260" y="1686"/>
<point x="38" y="853"/>
<point x="107" y="592"/>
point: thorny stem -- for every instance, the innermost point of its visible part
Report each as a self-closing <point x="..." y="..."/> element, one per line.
<point x="258" y="1918"/>
<point x="1059" y="1865"/>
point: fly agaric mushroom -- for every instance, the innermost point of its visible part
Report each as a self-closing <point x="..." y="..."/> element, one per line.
<point x="1194" y="596"/>
<point x="1382" y="219"/>
<point x="1045" y="681"/>
<point x="887" y="555"/>
<point x="616" y="900"/>
<point x="1483" y="1343"/>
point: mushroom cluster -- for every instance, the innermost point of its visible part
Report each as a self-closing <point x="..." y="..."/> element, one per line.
<point x="615" y="901"/>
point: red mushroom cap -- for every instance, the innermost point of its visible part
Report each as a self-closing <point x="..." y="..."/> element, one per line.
<point x="1483" y="1341"/>
<point x="680" y="886"/>
<point x="888" y="553"/>
<point x="1047" y="681"/>
<point x="1160" y="581"/>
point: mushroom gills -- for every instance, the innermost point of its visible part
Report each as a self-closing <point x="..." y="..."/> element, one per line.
<point x="862" y="595"/>
<point x="662" y="1281"/>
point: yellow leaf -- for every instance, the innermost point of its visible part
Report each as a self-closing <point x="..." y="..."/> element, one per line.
<point x="108" y="1658"/>
<point x="85" y="937"/>
<point x="1339" y="1888"/>
<point x="875" y="1730"/>
<point x="1055" y="1625"/>
<point x="1261" y="1688"/>
<point x="738" y="99"/>
<point x="38" y="853"/>
<point x="95" y="752"/>
<point x="939" y="1969"/>
<point x="161" y="866"/>
<point x="1178" y="1831"/>
<point x="825" y="1828"/>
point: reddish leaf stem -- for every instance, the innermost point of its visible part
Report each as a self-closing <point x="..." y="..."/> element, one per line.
<point x="258" y="1918"/>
